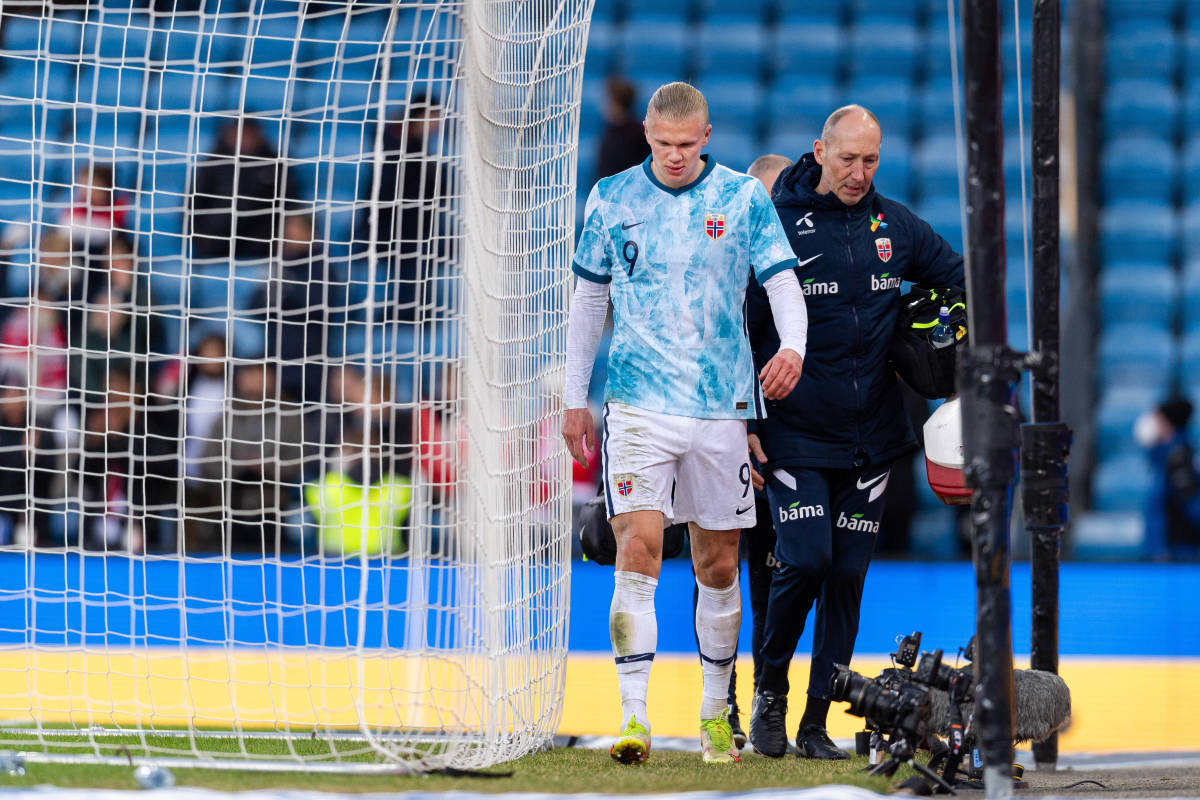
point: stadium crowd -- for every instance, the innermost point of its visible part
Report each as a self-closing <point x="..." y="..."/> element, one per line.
<point x="109" y="440"/>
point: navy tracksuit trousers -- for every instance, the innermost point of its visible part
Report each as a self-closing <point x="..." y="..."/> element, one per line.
<point x="826" y="523"/>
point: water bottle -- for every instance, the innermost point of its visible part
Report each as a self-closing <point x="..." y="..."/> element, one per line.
<point x="149" y="776"/>
<point x="12" y="763"/>
<point x="942" y="334"/>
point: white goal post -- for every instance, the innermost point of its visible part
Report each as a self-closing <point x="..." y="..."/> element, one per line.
<point x="283" y="295"/>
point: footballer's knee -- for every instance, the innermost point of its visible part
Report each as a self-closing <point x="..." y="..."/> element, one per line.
<point x="715" y="557"/>
<point x="639" y="543"/>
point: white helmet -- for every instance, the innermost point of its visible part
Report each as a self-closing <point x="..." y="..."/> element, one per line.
<point x="944" y="459"/>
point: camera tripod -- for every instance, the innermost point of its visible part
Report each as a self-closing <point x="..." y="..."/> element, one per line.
<point x="901" y="752"/>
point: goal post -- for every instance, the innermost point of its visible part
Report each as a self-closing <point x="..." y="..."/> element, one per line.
<point x="282" y="333"/>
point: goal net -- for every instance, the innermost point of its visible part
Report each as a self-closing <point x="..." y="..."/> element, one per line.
<point x="282" y="325"/>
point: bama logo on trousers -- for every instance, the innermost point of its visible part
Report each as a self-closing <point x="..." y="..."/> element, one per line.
<point x="797" y="511"/>
<point x="855" y="522"/>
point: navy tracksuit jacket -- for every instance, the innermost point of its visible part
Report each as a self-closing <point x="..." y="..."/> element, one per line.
<point x="830" y="443"/>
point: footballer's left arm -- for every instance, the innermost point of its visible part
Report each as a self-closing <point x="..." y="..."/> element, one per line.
<point x="780" y="375"/>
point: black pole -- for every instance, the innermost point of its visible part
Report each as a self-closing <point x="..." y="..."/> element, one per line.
<point x="987" y="376"/>
<point x="1046" y="442"/>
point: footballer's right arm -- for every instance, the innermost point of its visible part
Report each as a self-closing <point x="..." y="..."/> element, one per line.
<point x="585" y="326"/>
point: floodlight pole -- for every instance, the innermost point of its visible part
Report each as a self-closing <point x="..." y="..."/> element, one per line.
<point x="1046" y="441"/>
<point x="987" y="377"/>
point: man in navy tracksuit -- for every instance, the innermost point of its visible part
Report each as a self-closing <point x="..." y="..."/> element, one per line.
<point x="829" y="445"/>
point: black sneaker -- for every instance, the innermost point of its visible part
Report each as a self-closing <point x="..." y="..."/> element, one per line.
<point x="768" y="724"/>
<point x="735" y="722"/>
<point x="813" y="742"/>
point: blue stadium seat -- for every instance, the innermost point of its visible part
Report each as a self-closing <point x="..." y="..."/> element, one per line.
<point x="1119" y="406"/>
<point x="833" y="12"/>
<point x="894" y="177"/>
<point x="1008" y="49"/>
<point x="1189" y="360"/>
<point x="1132" y="231"/>
<point x="1121" y="484"/>
<point x="1140" y="168"/>
<point x="944" y="215"/>
<point x="23" y="35"/>
<point x="1124" y="12"/>
<point x="1191" y="103"/>
<point x="731" y="50"/>
<point x="1009" y="100"/>
<point x="1149" y="107"/>
<point x="890" y="11"/>
<point x="660" y="49"/>
<point x="743" y="12"/>
<point x="1190" y="300"/>
<point x="1107" y="536"/>
<point x="934" y="59"/>
<point x="274" y="46"/>
<point x="1145" y="292"/>
<point x="733" y="105"/>
<point x="936" y="166"/>
<point x="112" y="86"/>
<point x="601" y="49"/>
<point x="790" y="141"/>
<point x="813" y="51"/>
<point x="588" y="153"/>
<point x="605" y="11"/>
<point x="657" y="12"/>
<point x="883" y="50"/>
<point x="735" y="149"/>
<point x="891" y="101"/>
<point x="118" y="38"/>
<point x="800" y="107"/>
<point x="935" y="109"/>
<point x="592" y="104"/>
<point x="182" y="44"/>
<point x="1141" y="353"/>
<point x="1148" y="51"/>
<point x="1191" y="162"/>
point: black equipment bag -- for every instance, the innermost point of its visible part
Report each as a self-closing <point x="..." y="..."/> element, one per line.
<point x="929" y="371"/>
<point x="599" y="543"/>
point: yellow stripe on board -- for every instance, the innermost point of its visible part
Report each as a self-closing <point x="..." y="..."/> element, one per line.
<point x="1118" y="705"/>
<point x="211" y="688"/>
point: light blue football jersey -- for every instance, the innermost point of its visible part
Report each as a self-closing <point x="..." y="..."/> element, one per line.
<point x="679" y="261"/>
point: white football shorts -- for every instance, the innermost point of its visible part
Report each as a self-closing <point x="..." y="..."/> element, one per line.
<point x="692" y="470"/>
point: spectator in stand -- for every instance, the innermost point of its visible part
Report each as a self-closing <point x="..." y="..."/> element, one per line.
<point x="96" y="213"/>
<point x="110" y="339"/>
<point x="239" y="194"/>
<point x="253" y="463"/>
<point x="411" y="191"/>
<point x="107" y="477"/>
<point x="33" y="341"/>
<point x="295" y="305"/>
<point x="26" y="468"/>
<point x="362" y="500"/>
<point x="204" y="399"/>
<point x="623" y="142"/>
<point x="1173" y="505"/>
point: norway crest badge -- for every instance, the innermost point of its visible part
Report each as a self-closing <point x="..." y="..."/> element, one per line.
<point x="624" y="484"/>
<point x="884" y="248"/>
<point x="714" y="225"/>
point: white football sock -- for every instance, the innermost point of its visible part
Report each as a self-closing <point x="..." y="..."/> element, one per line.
<point x="718" y="617"/>
<point x="633" y="628"/>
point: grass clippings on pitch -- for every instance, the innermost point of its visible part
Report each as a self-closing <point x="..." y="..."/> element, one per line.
<point x="561" y="770"/>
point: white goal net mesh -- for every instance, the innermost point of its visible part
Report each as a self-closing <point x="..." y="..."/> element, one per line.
<point x="283" y="292"/>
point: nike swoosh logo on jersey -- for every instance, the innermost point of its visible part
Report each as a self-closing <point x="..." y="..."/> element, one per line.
<point x="741" y="511"/>
<point x="627" y="225"/>
<point x="800" y="263"/>
<point x="871" y="482"/>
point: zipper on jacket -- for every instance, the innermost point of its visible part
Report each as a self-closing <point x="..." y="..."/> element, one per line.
<point x="857" y="346"/>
